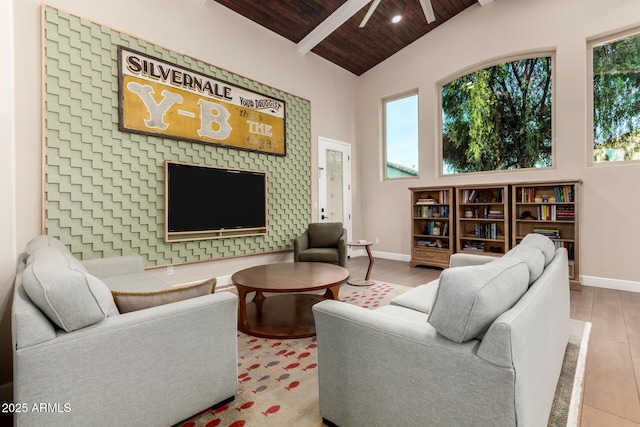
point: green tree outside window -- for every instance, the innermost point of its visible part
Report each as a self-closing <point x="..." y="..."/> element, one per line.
<point x="499" y="118"/>
<point x="616" y="100"/>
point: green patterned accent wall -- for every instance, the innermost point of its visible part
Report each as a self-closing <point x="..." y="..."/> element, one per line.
<point x="104" y="189"/>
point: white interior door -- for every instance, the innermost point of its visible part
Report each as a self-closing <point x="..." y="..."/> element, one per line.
<point x="334" y="182"/>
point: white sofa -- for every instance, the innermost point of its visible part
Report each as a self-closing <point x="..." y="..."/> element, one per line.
<point x="482" y="346"/>
<point x="78" y="362"/>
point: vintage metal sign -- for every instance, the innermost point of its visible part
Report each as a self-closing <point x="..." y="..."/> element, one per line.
<point x="159" y="98"/>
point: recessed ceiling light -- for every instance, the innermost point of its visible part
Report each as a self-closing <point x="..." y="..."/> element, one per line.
<point x="396" y="19"/>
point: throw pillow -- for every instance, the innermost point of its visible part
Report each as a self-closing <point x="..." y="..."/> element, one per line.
<point x="534" y="258"/>
<point x="470" y="299"/>
<point x="44" y="241"/>
<point x="542" y="242"/>
<point x="133" y="301"/>
<point x="69" y="296"/>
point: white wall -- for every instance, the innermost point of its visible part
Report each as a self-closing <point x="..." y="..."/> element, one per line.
<point x="611" y="199"/>
<point x="207" y="32"/>
<point x="7" y="188"/>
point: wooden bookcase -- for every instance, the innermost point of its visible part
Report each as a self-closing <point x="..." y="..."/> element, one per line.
<point x="432" y="224"/>
<point x="550" y="208"/>
<point x="482" y="219"/>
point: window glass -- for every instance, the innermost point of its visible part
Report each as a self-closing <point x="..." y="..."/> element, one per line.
<point x="616" y="99"/>
<point x="498" y="118"/>
<point x="401" y="137"/>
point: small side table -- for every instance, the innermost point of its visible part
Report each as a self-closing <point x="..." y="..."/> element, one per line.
<point x="365" y="281"/>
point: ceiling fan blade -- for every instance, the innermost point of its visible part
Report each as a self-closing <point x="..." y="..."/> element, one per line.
<point x="329" y="25"/>
<point x="373" y="7"/>
<point x="428" y="10"/>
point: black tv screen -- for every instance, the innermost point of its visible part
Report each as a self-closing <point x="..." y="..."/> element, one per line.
<point x="209" y="199"/>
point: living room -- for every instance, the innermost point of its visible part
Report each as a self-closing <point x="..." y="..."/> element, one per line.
<point x="346" y="108"/>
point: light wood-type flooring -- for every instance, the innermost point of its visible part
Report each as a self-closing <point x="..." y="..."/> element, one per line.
<point x="611" y="394"/>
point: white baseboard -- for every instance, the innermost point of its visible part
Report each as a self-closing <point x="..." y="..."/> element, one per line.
<point x="384" y="255"/>
<point x="391" y="256"/>
<point x="596" y="282"/>
<point x="6" y="392"/>
<point x="617" y="284"/>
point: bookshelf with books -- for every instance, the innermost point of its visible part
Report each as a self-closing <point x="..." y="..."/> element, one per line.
<point x="431" y="226"/>
<point x="550" y="208"/>
<point x="482" y="219"/>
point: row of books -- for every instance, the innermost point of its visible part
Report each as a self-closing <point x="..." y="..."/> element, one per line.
<point x="473" y="246"/>
<point x="561" y="194"/>
<point x="556" y="213"/>
<point x="440" y="243"/>
<point x="565" y="213"/>
<point x="424" y="211"/>
<point x="553" y="233"/>
<point x="486" y="231"/>
<point x="485" y="212"/>
<point x="527" y="194"/>
<point x="567" y="245"/>
<point x="442" y="228"/>
<point x="564" y="193"/>
<point x="473" y="196"/>
<point x="443" y="198"/>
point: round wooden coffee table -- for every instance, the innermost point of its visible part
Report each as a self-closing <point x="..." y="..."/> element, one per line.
<point x="288" y="315"/>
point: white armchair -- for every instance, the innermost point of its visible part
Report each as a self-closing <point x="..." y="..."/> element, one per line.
<point x="152" y="367"/>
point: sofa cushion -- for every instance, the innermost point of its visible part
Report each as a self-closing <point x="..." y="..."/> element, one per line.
<point x="319" y="255"/>
<point x="133" y="301"/>
<point x="44" y="241"/>
<point x="324" y="234"/>
<point x="135" y="282"/>
<point x="419" y="298"/>
<point x="534" y="258"/>
<point x="48" y="242"/>
<point x="69" y="296"/>
<point x="470" y="298"/>
<point x="542" y="242"/>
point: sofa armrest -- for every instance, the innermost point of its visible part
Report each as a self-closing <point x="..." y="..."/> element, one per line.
<point x="300" y="244"/>
<point x="536" y="330"/>
<point x="461" y="260"/>
<point x="114" y="266"/>
<point x="369" y="362"/>
<point x="154" y="367"/>
<point x="342" y="248"/>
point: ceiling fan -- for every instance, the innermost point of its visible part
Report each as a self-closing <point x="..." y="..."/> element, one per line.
<point x="346" y="11"/>
<point x="427" y="9"/>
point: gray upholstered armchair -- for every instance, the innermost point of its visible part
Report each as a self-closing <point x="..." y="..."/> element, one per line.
<point x="322" y="242"/>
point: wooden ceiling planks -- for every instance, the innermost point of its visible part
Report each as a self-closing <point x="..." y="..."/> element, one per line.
<point x="350" y="47"/>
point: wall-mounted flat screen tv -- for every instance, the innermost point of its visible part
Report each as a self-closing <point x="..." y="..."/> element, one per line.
<point x="206" y="202"/>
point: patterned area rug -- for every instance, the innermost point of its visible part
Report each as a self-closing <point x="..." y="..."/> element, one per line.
<point x="568" y="398"/>
<point x="277" y="379"/>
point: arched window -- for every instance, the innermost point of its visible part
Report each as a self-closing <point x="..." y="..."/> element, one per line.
<point x="499" y="117"/>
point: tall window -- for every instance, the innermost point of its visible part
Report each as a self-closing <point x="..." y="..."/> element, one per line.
<point x="616" y="98"/>
<point x="401" y="137"/>
<point x="499" y="118"/>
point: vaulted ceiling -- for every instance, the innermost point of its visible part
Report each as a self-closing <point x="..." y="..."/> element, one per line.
<point x="331" y="28"/>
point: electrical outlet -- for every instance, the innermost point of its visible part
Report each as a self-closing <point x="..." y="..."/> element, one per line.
<point x="170" y="270"/>
<point x="377" y="240"/>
